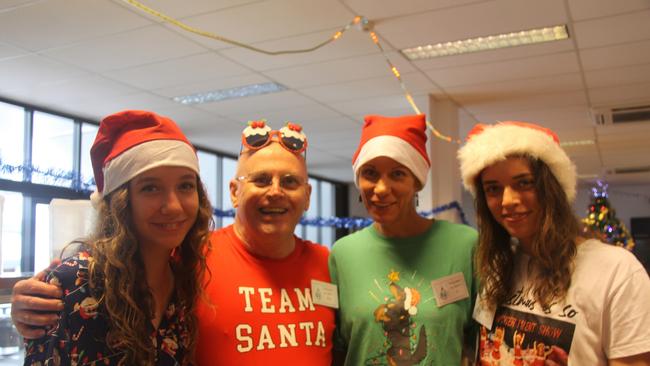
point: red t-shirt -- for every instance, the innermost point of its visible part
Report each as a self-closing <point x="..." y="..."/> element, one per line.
<point x="262" y="311"/>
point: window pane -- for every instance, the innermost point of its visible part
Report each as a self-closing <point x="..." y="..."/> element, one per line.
<point x="52" y="149"/>
<point x="11" y="229"/>
<point x="300" y="230"/>
<point x="208" y="167"/>
<point x="225" y="221"/>
<point x="42" y="237"/>
<point x="12" y="125"/>
<point x="88" y="133"/>
<point x="313" y="212"/>
<point x="228" y="170"/>
<point x="327" y="210"/>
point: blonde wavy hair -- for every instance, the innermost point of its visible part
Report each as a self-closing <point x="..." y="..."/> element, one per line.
<point x="117" y="270"/>
<point x="552" y="252"/>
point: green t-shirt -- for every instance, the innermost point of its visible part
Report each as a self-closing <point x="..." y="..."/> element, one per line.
<point x="388" y="312"/>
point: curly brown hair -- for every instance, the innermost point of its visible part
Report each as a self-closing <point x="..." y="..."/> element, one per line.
<point x="552" y="251"/>
<point x="116" y="272"/>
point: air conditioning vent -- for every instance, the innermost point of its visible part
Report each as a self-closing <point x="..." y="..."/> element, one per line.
<point x="608" y="116"/>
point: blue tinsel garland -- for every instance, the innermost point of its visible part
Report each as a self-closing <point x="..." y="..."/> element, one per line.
<point x="87" y="188"/>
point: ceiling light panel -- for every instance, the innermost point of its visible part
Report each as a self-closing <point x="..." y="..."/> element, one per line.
<point x="521" y="38"/>
<point x="231" y="93"/>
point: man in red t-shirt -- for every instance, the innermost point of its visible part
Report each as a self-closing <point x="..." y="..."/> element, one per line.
<point x="258" y="307"/>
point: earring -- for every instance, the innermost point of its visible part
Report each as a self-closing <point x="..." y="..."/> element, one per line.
<point x="417" y="200"/>
<point x="360" y="200"/>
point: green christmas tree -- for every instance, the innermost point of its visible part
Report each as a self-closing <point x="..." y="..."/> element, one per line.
<point x="601" y="220"/>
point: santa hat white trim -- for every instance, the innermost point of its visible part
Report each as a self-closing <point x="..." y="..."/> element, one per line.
<point x="497" y="142"/>
<point x="395" y="148"/>
<point x="146" y="156"/>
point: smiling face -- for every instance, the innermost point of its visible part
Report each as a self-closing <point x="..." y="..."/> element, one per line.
<point x="270" y="195"/>
<point x="387" y="189"/>
<point x="509" y="187"/>
<point x="164" y="205"/>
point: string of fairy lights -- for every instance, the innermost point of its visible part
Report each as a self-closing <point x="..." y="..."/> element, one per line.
<point x="358" y="21"/>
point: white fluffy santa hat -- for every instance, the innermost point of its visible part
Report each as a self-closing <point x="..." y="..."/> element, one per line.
<point x="488" y="144"/>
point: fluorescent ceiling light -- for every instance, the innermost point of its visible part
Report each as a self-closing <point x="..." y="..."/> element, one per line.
<point x="577" y="143"/>
<point x="224" y="94"/>
<point x="513" y="39"/>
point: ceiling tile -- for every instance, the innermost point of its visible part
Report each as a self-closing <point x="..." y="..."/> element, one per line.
<point x="352" y="43"/>
<point x="186" y="116"/>
<point x="485" y="18"/>
<point x="618" y="55"/>
<point x="527" y="102"/>
<point x="620" y="95"/>
<point x="9" y="51"/>
<point x="257" y="103"/>
<point x="386" y="105"/>
<point x="600" y="32"/>
<point x="572" y="121"/>
<point x="271" y="20"/>
<point x="618" y="76"/>
<point x="586" y="9"/>
<point x="100" y="107"/>
<point x="379" y="9"/>
<point x="375" y="87"/>
<point x="211" y="84"/>
<point x="64" y="23"/>
<point x="12" y="5"/>
<point x="621" y="159"/>
<point x="128" y="49"/>
<point x="180" y="71"/>
<point x="277" y="119"/>
<point x="333" y="128"/>
<point x="516" y="88"/>
<point x="547" y="65"/>
<point x="180" y="9"/>
<point x="338" y="71"/>
<point x="32" y="71"/>
<point x="587" y="164"/>
<point x="71" y="91"/>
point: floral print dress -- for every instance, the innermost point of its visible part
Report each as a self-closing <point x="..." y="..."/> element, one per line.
<point x="79" y="338"/>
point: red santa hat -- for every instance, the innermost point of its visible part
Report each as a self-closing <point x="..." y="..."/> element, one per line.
<point x="488" y="144"/>
<point x="131" y="142"/>
<point x="402" y="139"/>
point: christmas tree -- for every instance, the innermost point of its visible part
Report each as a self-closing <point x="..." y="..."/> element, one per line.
<point x="601" y="220"/>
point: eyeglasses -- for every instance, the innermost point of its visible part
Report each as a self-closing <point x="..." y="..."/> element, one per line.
<point x="258" y="135"/>
<point x="288" y="182"/>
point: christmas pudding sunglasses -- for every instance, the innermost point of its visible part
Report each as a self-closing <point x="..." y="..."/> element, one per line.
<point x="259" y="135"/>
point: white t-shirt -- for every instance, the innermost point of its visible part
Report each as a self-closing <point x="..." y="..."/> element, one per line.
<point x="605" y="315"/>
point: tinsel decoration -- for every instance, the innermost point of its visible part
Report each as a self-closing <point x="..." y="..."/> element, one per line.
<point x="58" y="176"/>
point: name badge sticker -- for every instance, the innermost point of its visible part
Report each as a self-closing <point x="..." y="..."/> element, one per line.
<point x="482" y="314"/>
<point x="324" y="293"/>
<point x="449" y="289"/>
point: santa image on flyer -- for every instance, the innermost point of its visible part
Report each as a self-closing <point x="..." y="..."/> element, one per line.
<point x="524" y="339"/>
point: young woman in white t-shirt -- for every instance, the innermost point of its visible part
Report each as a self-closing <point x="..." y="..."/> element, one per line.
<point x="570" y="299"/>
